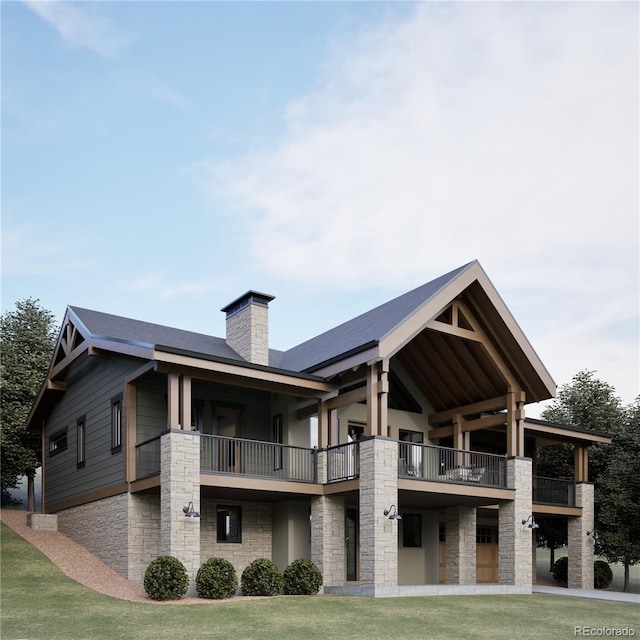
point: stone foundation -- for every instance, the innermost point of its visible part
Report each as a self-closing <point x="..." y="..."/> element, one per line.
<point x="42" y="521"/>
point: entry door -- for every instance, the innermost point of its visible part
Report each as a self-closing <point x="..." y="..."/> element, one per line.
<point x="228" y="425"/>
<point x="352" y="525"/>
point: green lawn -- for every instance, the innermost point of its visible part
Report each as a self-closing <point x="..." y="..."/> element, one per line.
<point x="40" y="603"/>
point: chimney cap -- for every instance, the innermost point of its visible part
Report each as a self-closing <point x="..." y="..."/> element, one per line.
<point x="250" y="297"/>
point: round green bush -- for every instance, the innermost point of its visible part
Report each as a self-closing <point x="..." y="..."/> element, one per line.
<point x="166" y="579"/>
<point x="560" y="570"/>
<point x="261" y="578"/>
<point x="216" y="579"/>
<point x="302" y="578"/>
<point x="602" y="575"/>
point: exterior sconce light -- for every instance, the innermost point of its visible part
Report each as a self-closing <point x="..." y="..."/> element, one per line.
<point x="190" y="512"/>
<point x="392" y="512"/>
<point x="593" y="534"/>
<point x="533" y="524"/>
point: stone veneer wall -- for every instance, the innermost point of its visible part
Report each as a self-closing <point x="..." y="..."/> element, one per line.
<point x="378" y="534"/>
<point x="256" y="533"/>
<point x="179" y="485"/>
<point x="327" y="538"/>
<point x="516" y="539"/>
<point x="102" y="528"/>
<point x="460" y="545"/>
<point x="580" y="547"/>
<point x="144" y="533"/>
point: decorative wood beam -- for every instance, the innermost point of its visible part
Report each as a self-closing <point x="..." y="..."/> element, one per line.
<point x="173" y="401"/>
<point x="493" y="404"/>
<point x="459" y="332"/>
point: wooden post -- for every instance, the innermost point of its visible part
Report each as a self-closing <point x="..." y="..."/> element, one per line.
<point x="185" y="402"/>
<point x="581" y="457"/>
<point x="129" y="411"/>
<point x="173" y="400"/>
<point x="372" y="401"/>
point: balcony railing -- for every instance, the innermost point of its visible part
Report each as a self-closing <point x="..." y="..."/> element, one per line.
<point x="343" y="462"/>
<point x="554" y="491"/>
<point x="148" y="458"/>
<point x="428" y="462"/>
<point x="237" y="456"/>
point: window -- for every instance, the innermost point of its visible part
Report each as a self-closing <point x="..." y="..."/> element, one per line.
<point x="57" y="442"/>
<point x="277" y="437"/>
<point x="80" y="442"/>
<point x="412" y="530"/>
<point x="197" y="415"/>
<point x="486" y="535"/>
<point x="116" y="424"/>
<point x="229" y="524"/>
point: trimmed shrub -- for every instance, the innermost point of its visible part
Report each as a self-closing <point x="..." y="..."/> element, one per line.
<point x="302" y="578"/>
<point x="261" y="578"/>
<point x="560" y="570"/>
<point x="602" y="575"/>
<point x="166" y="579"/>
<point x="216" y="579"/>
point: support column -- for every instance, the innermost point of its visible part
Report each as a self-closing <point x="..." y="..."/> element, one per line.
<point x="460" y="545"/>
<point x="580" y="548"/>
<point x="516" y="539"/>
<point x="328" y="538"/>
<point x="378" y="534"/>
<point x="179" y="485"/>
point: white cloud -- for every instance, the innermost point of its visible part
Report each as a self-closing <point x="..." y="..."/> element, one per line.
<point x="506" y="132"/>
<point x="26" y="253"/>
<point x="157" y="286"/>
<point x="84" y="28"/>
<point x="469" y="130"/>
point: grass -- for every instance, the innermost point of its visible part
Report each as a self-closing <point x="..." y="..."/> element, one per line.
<point x="41" y="603"/>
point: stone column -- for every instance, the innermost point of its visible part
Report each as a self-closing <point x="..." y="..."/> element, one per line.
<point x="460" y="545"/>
<point x="580" y="548"/>
<point x="378" y="534"/>
<point x="516" y="538"/>
<point x="327" y="538"/>
<point x="179" y="485"/>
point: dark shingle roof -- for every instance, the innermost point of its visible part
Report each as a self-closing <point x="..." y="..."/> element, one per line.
<point x="348" y="337"/>
<point x="105" y="325"/>
<point x="370" y="327"/>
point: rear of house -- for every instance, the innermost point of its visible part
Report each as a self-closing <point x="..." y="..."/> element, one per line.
<point x="414" y="409"/>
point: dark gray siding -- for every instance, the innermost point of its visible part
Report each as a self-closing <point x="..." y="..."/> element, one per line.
<point x="91" y="384"/>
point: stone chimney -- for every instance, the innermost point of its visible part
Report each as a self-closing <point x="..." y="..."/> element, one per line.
<point x="248" y="326"/>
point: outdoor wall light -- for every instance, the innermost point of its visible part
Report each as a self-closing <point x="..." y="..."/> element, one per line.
<point x="190" y="512"/>
<point x="392" y="512"/>
<point x="593" y="534"/>
<point x="533" y="524"/>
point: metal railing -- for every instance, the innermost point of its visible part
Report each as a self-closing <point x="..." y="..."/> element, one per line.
<point x="343" y="462"/>
<point x="554" y="491"/>
<point x="429" y="462"/>
<point x="148" y="458"/>
<point x="219" y="454"/>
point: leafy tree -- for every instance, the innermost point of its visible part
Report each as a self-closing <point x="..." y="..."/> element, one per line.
<point x="588" y="403"/>
<point x="552" y="534"/>
<point x="618" y="496"/>
<point x="27" y="338"/>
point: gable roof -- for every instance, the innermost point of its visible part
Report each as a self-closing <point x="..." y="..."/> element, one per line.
<point x="364" y="330"/>
<point x="148" y="334"/>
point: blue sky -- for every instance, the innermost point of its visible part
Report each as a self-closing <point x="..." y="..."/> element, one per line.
<point x="161" y="158"/>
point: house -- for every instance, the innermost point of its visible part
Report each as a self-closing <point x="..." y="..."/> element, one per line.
<point x="414" y="409"/>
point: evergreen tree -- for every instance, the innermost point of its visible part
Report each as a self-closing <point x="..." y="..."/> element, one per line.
<point x="27" y="338"/>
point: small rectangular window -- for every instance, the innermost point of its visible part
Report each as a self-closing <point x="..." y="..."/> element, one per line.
<point x="411" y="530"/>
<point x="80" y="439"/>
<point x="116" y="424"/>
<point x="57" y="442"/>
<point x="229" y="524"/>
